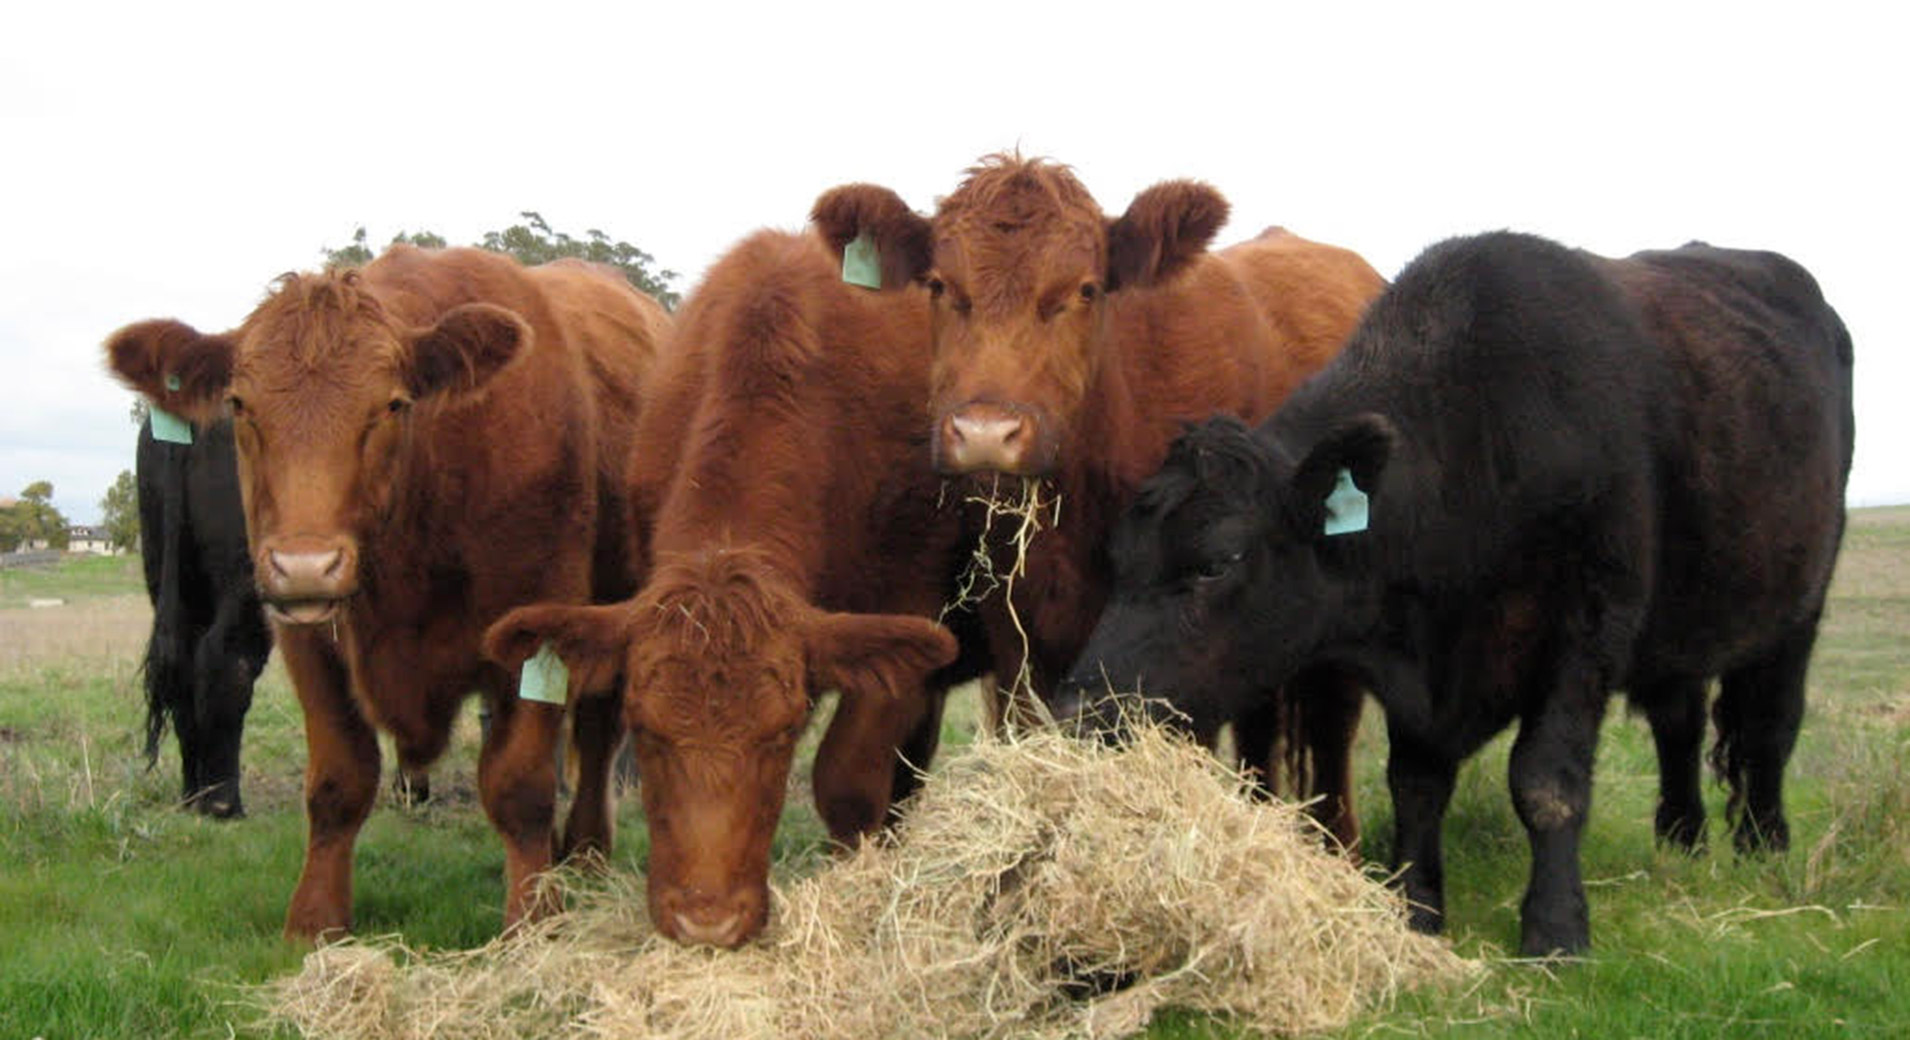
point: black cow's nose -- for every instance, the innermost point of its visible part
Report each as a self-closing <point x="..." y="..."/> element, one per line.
<point x="1067" y="704"/>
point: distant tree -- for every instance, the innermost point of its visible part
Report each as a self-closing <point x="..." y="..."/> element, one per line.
<point x="119" y="512"/>
<point x="534" y="242"/>
<point x="33" y="518"/>
<point x="358" y="253"/>
<point x="140" y="410"/>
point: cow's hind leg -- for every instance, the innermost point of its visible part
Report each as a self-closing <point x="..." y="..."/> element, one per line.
<point x="517" y="782"/>
<point x="1675" y="709"/>
<point x="341" y="781"/>
<point x="226" y="663"/>
<point x="1760" y="707"/>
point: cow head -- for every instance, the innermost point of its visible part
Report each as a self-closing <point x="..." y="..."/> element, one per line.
<point x="1020" y="261"/>
<point x="321" y="383"/>
<point x="1226" y="580"/>
<point x="720" y="658"/>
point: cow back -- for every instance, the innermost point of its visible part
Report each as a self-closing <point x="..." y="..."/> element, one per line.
<point x="1754" y="453"/>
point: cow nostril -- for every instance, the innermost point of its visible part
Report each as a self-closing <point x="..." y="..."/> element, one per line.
<point x="329" y="564"/>
<point x="725" y="933"/>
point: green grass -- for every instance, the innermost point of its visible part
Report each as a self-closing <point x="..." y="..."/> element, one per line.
<point x="120" y="916"/>
<point x="75" y="578"/>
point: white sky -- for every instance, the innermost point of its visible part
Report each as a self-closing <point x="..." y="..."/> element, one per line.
<point x="170" y="159"/>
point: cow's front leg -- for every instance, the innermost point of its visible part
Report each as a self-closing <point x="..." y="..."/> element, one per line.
<point x="597" y="731"/>
<point x="1551" y="781"/>
<point x="1420" y="778"/>
<point x="518" y="785"/>
<point x="855" y="766"/>
<point x="341" y="781"/>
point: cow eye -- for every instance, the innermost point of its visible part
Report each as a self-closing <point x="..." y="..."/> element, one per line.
<point x="1089" y="291"/>
<point x="398" y="405"/>
<point x="235" y="405"/>
<point x="1218" y="566"/>
<point x="935" y="288"/>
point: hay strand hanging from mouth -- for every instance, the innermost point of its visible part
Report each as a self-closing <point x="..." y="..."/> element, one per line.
<point x="1020" y="709"/>
<point x="1043" y="887"/>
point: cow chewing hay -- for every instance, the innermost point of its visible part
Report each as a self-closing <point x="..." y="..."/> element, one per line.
<point x="1044" y="887"/>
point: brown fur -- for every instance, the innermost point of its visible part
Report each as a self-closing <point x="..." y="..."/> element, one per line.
<point x="444" y="422"/>
<point x="800" y="545"/>
<point x="1097" y="340"/>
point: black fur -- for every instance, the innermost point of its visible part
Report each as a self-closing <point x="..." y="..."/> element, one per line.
<point x="1585" y="474"/>
<point x="209" y="639"/>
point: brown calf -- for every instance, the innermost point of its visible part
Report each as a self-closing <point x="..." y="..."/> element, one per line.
<point x="1074" y="347"/>
<point x="800" y="544"/>
<point x="422" y="445"/>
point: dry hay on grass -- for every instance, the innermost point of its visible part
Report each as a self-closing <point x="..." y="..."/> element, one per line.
<point x="1028" y="877"/>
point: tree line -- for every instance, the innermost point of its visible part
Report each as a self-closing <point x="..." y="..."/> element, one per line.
<point x="533" y="242"/>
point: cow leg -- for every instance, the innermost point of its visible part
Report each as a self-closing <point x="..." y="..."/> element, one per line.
<point x="1256" y="741"/>
<point x="597" y="732"/>
<point x="226" y="663"/>
<point x="183" y="700"/>
<point x="341" y="780"/>
<point x="1675" y="709"/>
<point x="1551" y="782"/>
<point x="1421" y="780"/>
<point x="918" y="750"/>
<point x="1760" y="708"/>
<point x="854" y="773"/>
<point x="518" y="784"/>
<point x="1327" y="702"/>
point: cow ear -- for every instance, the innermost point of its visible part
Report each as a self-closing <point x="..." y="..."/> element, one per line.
<point x="592" y="641"/>
<point x="467" y="346"/>
<point x="899" y="234"/>
<point x="1163" y="230"/>
<point x="874" y="654"/>
<point x="178" y="368"/>
<point x="1359" y="448"/>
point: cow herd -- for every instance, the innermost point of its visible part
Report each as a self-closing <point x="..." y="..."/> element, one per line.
<point x="1518" y="479"/>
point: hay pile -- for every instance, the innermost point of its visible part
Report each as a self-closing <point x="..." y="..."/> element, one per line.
<point x="1044" y="887"/>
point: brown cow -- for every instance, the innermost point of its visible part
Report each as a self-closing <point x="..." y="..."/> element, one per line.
<point x="423" y="445"/>
<point x="1075" y="347"/>
<point x="800" y="543"/>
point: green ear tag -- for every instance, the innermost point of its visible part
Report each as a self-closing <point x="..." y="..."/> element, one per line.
<point x="1346" y="506"/>
<point x="168" y="427"/>
<point x="544" y="678"/>
<point x="861" y="263"/>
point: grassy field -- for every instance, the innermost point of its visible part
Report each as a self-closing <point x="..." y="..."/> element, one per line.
<point x="120" y="916"/>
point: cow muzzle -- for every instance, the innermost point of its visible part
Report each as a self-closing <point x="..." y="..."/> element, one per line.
<point x="986" y="437"/>
<point x="304" y="581"/>
<point x="725" y="921"/>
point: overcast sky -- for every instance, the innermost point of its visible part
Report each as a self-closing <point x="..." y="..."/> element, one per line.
<point x="170" y="159"/>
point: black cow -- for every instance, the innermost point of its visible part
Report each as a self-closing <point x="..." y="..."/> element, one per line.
<point x="209" y="639"/>
<point x="1582" y="474"/>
